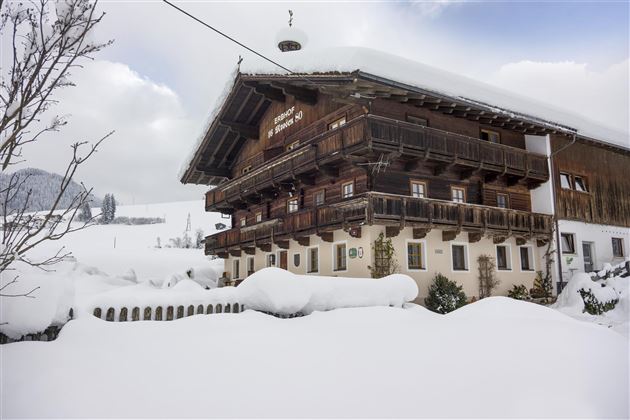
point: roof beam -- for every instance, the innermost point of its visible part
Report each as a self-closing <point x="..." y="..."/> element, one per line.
<point x="245" y="130"/>
<point x="268" y="92"/>
<point x="308" y="96"/>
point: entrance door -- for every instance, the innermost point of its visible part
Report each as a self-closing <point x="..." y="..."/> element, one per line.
<point x="283" y="260"/>
<point x="587" y="252"/>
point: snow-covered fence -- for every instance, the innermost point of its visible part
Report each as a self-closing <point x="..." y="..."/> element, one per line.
<point x="164" y="312"/>
<point x="49" y="334"/>
<point x="619" y="270"/>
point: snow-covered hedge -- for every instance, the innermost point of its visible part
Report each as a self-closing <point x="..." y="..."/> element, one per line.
<point x="582" y="294"/>
<point x="279" y="291"/>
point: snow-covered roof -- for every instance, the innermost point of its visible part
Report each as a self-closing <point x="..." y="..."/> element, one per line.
<point x="413" y="73"/>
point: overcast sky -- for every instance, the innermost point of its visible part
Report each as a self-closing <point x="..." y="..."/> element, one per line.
<point x="157" y="83"/>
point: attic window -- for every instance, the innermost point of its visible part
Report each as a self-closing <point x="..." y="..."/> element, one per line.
<point x="292" y="146"/>
<point x="491" y="136"/>
<point x="337" y="123"/>
<point x="246" y="169"/>
<point x="580" y="184"/>
<point x="418" y="120"/>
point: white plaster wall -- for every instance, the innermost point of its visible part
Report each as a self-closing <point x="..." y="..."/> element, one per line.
<point x="439" y="260"/>
<point x="542" y="197"/>
<point x="601" y="236"/>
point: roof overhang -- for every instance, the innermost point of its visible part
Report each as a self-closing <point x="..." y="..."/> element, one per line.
<point x="240" y="114"/>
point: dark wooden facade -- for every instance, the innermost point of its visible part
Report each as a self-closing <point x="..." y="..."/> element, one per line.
<point x="604" y="170"/>
<point x="382" y="146"/>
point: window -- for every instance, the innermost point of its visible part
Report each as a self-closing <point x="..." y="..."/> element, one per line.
<point x="339" y="257"/>
<point x="258" y="216"/>
<point x="319" y="198"/>
<point x="458" y="194"/>
<point x="246" y="169"/>
<point x="250" y="266"/>
<point x="504" y="260"/>
<point x="565" y="181"/>
<point x="417" y="120"/>
<point x="337" y="123"/>
<point x="418" y="189"/>
<point x="415" y="257"/>
<point x="527" y="258"/>
<point x="617" y="246"/>
<point x="568" y="243"/>
<point x="580" y="184"/>
<point x="502" y="200"/>
<point x="292" y="146"/>
<point x="347" y="190"/>
<point x="271" y="260"/>
<point x="460" y="257"/>
<point x="292" y="205"/>
<point x="491" y="136"/>
<point x="312" y="264"/>
<point x="243" y="221"/>
<point x="236" y="265"/>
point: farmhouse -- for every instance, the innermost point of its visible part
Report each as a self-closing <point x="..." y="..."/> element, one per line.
<point x="317" y="165"/>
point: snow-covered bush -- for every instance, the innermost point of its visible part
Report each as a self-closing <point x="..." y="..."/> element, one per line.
<point x="581" y="294"/>
<point x="518" y="292"/>
<point x="444" y="295"/>
<point x="594" y="306"/>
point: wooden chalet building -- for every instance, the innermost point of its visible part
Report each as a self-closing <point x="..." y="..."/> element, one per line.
<point x="313" y="167"/>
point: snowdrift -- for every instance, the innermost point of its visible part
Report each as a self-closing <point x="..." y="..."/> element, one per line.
<point x="495" y="358"/>
<point x="279" y="291"/>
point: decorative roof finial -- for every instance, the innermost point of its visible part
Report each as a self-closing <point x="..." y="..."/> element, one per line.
<point x="290" y="18"/>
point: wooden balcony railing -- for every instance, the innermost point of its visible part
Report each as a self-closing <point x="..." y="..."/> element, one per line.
<point x="373" y="133"/>
<point x="392" y="210"/>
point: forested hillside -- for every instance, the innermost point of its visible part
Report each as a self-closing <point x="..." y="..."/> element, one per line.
<point x="44" y="186"/>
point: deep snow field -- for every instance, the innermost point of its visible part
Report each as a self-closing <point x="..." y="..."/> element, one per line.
<point x="494" y="358"/>
<point x="375" y="356"/>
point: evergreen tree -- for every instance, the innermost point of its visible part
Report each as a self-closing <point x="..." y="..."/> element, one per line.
<point x="105" y="209"/>
<point x="112" y="205"/>
<point x="199" y="238"/>
<point x="85" y="212"/>
<point x="444" y="295"/>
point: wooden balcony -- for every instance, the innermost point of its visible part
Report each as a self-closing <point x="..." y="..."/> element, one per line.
<point x="370" y="136"/>
<point x="393" y="211"/>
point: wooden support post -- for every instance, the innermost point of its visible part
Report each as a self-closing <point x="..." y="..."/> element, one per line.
<point x="249" y="250"/>
<point x="264" y="247"/>
<point x="282" y="244"/>
<point x="303" y="240"/>
<point x="235" y="252"/>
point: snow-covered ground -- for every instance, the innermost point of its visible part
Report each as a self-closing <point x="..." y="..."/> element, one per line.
<point x="109" y="257"/>
<point x="494" y="358"/>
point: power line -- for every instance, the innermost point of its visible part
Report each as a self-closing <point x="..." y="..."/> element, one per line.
<point x="227" y="36"/>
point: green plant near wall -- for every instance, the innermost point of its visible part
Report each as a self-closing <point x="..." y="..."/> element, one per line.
<point x="384" y="257"/>
<point x="488" y="280"/>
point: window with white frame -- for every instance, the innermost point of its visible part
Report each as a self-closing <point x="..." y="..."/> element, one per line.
<point x="292" y="146"/>
<point x="565" y="181"/>
<point x="415" y="255"/>
<point x="617" y="246"/>
<point x="236" y="266"/>
<point x="312" y="260"/>
<point x="527" y="258"/>
<point x="250" y="266"/>
<point x="292" y="205"/>
<point x="491" y="136"/>
<point x="347" y="190"/>
<point x="504" y="260"/>
<point x="246" y="169"/>
<point x="258" y="216"/>
<point x="271" y="260"/>
<point x="458" y="194"/>
<point x="459" y="255"/>
<point x="319" y="198"/>
<point x="339" y="261"/>
<point x="568" y="243"/>
<point x="337" y="123"/>
<point x="502" y="200"/>
<point x="418" y="189"/>
<point x="243" y="221"/>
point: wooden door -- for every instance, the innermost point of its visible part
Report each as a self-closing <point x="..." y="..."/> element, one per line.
<point x="283" y="260"/>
